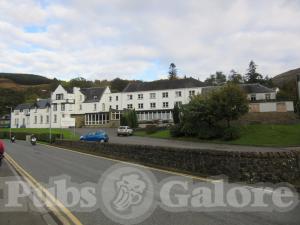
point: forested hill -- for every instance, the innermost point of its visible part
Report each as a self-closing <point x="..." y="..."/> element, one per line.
<point x="25" y="79"/>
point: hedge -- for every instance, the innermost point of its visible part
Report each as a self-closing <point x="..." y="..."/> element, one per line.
<point x="22" y="136"/>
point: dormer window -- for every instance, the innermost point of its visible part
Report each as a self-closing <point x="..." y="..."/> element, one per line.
<point x="95" y="97"/>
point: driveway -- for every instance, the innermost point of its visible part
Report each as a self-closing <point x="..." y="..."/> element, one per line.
<point x="112" y="133"/>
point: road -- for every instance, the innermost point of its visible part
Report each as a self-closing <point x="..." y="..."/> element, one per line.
<point x="113" y="138"/>
<point x="45" y="162"/>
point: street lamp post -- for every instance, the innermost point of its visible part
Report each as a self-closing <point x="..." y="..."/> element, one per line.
<point x="10" y="120"/>
<point x="50" y="120"/>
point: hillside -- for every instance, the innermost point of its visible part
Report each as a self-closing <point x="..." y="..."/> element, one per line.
<point x="286" y="77"/>
<point x="25" y="79"/>
<point x="287" y="82"/>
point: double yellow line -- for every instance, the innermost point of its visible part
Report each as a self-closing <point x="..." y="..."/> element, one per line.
<point x="54" y="205"/>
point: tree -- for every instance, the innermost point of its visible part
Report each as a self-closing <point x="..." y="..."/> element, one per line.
<point x="235" y="77"/>
<point x="172" y="72"/>
<point x="129" y="118"/>
<point x="176" y="113"/>
<point x="117" y="85"/>
<point x="229" y="103"/>
<point x="252" y="76"/>
<point x="219" y="78"/>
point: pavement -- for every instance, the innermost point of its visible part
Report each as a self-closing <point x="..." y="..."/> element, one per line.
<point x="45" y="162"/>
<point x="30" y="216"/>
<point x="113" y="138"/>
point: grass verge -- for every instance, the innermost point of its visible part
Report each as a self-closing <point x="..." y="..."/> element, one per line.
<point x="254" y="135"/>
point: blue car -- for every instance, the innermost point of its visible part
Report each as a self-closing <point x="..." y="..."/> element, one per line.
<point x="99" y="136"/>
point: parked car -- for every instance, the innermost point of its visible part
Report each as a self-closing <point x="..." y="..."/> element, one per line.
<point x="99" y="136"/>
<point x="125" y="131"/>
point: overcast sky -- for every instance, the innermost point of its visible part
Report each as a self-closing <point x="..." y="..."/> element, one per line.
<point x="138" y="39"/>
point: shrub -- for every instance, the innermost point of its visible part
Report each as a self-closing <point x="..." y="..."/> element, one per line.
<point x="210" y="132"/>
<point x="231" y="133"/>
<point x="175" y="131"/>
<point x="151" y="129"/>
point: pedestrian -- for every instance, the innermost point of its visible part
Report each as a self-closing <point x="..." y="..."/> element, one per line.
<point x="1" y="151"/>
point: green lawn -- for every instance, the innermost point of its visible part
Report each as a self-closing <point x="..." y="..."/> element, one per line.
<point x="259" y="135"/>
<point x="68" y="134"/>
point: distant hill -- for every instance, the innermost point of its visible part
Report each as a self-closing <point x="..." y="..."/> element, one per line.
<point x="25" y="79"/>
<point x="286" y="78"/>
<point x="287" y="82"/>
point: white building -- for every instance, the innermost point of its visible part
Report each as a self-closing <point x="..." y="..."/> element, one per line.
<point x="100" y="107"/>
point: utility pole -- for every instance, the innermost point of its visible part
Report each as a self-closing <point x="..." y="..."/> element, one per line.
<point x="10" y="120"/>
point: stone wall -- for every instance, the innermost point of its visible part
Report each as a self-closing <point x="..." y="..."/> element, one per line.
<point x="269" y="118"/>
<point x="238" y="166"/>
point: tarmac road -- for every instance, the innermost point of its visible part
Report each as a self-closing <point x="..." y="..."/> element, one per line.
<point x="113" y="138"/>
<point x="45" y="162"/>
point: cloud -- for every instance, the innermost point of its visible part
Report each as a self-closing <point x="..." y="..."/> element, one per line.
<point x="139" y="39"/>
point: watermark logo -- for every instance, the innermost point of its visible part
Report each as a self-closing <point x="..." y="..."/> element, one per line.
<point x="127" y="194"/>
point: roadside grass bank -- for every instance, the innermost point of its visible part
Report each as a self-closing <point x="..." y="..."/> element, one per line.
<point x="41" y="133"/>
<point x="255" y="135"/>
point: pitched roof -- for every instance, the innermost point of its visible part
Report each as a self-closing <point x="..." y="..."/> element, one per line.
<point x="42" y="103"/>
<point x="24" y="106"/>
<point x="162" y="85"/>
<point x="93" y="94"/>
<point x="248" y="88"/>
<point x="256" y="88"/>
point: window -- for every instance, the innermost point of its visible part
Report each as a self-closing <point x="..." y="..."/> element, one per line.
<point x="55" y="119"/>
<point x="117" y="98"/>
<point x="117" y="107"/>
<point x="165" y="94"/>
<point x="152" y="95"/>
<point x="179" y="103"/>
<point x="268" y="96"/>
<point x="63" y="107"/>
<point x="47" y="119"/>
<point x="110" y="107"/>
<point x="192" y="93"/>
<point x="80" y="107"/>
<point x="35" y="119"/>
<point x="129" y="97"/>
<point x="178" y="94"/>
<point x="165" y="104"/>
<point x="141" y="105"/>
<point x="95" y="107"/>
<point x="80" y="97"/>
<point x="129" y="106"/>
<point x="59" y="96"/>
<point x="253" y="97"/>
<point x="95" y="97"/>
<point x="35" y="109"/>
<point x="152" y="105"/>
<point x="55" y="107"/>
<point x="140" y="96"/>
<point x="41" y="119"/>
<point x="103" y="107"/>
<point x="110" y="98"/>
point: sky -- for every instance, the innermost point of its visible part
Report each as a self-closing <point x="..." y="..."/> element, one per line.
<point x="138" y="39"/>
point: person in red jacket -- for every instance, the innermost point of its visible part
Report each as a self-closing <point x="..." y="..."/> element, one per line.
<point x="1" y="151"/>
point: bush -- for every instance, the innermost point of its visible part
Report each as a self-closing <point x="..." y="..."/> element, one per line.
<point x="22" y="136"/>
<point x="151" y="129"/>
<point x="210" y="132"/>
<point x="231" y="133"/>
<point x="175" y="131"/>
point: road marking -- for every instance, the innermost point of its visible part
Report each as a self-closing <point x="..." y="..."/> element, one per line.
<point x="138" y="165"/>
<point x="60" y="211"/>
